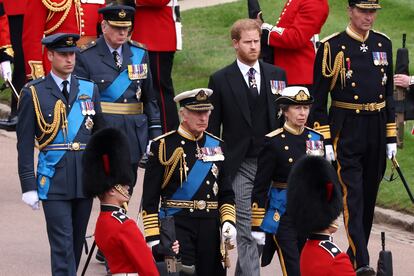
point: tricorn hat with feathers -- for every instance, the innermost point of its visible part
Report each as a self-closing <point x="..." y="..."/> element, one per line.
<point x="106" y="162"/>
<point x="314" y="198"/>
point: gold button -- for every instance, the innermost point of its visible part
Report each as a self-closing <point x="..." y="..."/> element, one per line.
<point x="82" y="33"/>
<point x="382" y="70"/>
<point x="357" y="111"/>
<point x="182" y="142"/>
<point x="356" y="97"/>
<point x="343" y="47"/>
<point x="283" y="136"/>
<point x="82" y="25"/>
<point x="286" y="147"/>
<point x="309" y="136"/>
<point x="82" y="21"/>
<point x="208" y="196"/>
<point x="125" y="100"/>
<point x="381" y="96"/>
<point x="208" y="182"/>
<point x="353" y="84"/>
<point x="347" y="59"/>
<point x="290" y="160"/>
<point x="379" y="44"/>
<point x="102" y="81"/>
<point x="185" y="155"/>
<point x="207" y="210"/>
<point x="191" y="210"/>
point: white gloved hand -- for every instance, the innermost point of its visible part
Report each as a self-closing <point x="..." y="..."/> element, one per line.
<point x="149" y="147"/>
<point x="391" y="150"/>
<point x="267" y="26"/>
<point x="259" y="237"/>
<point x="329" y="153"/>
<point x="32" y="199"/>
<point x="152" y="243"/>
<point x="229" y="232"/>
<point x="5" y="70"/>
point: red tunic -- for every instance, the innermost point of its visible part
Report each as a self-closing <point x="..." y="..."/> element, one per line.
<point x="79" y="17"/>
<point x="293" y="49"/>
<point x="326" y="259"/>
<point x="15" y="7"/>
<point x="4" y="31"/>
<point x="123" y="245"/>
<point x="154" y="25"/>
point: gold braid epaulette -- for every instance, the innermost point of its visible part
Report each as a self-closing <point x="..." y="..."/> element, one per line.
<point x="171" y="163"/>
<point x="63" y="6"/>
<point x="338" y="66"/>
<point x="58" y="116"/>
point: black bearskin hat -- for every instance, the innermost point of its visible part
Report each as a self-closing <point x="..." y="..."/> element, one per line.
<point x="106" y="162"/>
<point x="314" y="198"/>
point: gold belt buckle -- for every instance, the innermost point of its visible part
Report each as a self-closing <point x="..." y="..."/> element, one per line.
<point x="370" y="106"/>
<point x="75" y="146"/>
<point x="200" y="204"/>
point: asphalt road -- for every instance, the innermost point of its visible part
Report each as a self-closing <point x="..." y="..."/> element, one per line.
<point x="24" y="248"/>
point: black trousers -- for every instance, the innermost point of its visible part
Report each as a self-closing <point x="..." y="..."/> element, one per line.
<point x="19" y="76"/>
<point x="66" y="222"/>
<point x="199" y="240"/>
<point x="161" y="64"/>
<point x="361" y="156"/>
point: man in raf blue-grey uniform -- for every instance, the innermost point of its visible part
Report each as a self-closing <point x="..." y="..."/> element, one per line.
<point x="121" y="70"/>
<point x="59" y="112"/>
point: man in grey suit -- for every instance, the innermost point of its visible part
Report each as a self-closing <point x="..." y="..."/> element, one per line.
<point x="244" y="112"/>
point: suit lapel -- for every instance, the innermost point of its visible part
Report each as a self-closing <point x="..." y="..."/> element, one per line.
<point x="126" y="56"/>
<point x="270" y="97"/>
<point x="74" y="88"/>
<point x="238" y="88"/>
<point x="54" y="88"/>
<point x="106" y="55"/>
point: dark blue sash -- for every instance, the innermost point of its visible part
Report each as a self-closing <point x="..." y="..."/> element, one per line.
<point x="48" y="159"/>
<point x="194" y="179"/>
<point x="122" y="82"/>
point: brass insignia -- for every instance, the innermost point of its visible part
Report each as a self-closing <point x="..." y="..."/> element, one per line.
<point x="276" y="216"/>
<point x="215" y="170"/>
<point x="122" y="14"/>
<point x="69" y="41"/>
<point x="138" y="93"/>
<point x="43" y="181"/>
<point x="301" y="96"/>
<point x="201" y="96"/>
<point x="84" y="97"/>
<point x="215" y="188"/>
<point x="89" y="123"/>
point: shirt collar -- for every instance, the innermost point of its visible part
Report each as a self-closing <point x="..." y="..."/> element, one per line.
<point x="58" y="80"/>
<point x="244" y="68"/>
<point x="119" y="49"/>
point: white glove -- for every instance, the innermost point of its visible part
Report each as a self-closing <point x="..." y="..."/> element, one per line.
<point x="329" y="153"/>
<point x="267" y="26"/>
<point x="152" y="243"/>
<point x="391" y="150"/>
<point x="229" y="232"/>
<point x="32" y="199"/>
<point x="5" y="70"/>
<point x="259" y="237"/>
<point x="148" y="147"/>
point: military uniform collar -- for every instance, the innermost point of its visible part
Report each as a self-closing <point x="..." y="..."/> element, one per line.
<point x="356" y="35"/>
<point x="188" y="135"/>
<point x="293" y="129"/>
<point x="111" y="208"/>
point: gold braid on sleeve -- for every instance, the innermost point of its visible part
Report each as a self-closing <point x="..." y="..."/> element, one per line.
<point x="171" y="163"/>
<point x="58" y="117"/>
<point x="338" y="66"/>
<point x="64" y="7"/>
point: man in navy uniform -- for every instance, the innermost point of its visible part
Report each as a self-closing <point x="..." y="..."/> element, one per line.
<point x="185" y="170"/>
<point x="355" y="68"/>
<point x="58" y="111"/>
<point x="121" y="70"/>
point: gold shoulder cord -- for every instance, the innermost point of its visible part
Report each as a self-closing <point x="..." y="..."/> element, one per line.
<point x="63" y="6"/>
<point x="171" y="163"/>
<point x="338" y="66"/>
<point x="58" y="116"/>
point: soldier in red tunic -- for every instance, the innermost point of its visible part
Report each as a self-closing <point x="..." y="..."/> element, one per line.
<point x="46" y="17"/>
<point x="314" y="203"/>
<point x="107" y="175"/>
<point x="158" y="26"/>
<point x="292" y="37"/>
<point x="6" y="50"/>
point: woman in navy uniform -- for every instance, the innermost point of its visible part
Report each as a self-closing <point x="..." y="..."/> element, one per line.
<point x="314" y="204"/>
<point x="355" y="69"/>
<point x="185" y="171"/>
<point x="59" y="110"/>
<point x="283" y="147"/>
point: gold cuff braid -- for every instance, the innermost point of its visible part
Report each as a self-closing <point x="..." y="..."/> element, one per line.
<point x="227" y="213"/>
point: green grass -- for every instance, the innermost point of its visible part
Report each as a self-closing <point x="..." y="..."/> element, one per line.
<point x="207" y="48"/>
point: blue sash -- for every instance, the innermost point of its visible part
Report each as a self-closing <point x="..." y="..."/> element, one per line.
<point x="48" y="159"/>
<point x="122" y="82"/>
<point x="275" y="211"/>
<point x="194" y="180"/>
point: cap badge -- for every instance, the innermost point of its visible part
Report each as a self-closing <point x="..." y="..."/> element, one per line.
<point x="69" y="41"/>
<point x="201" y="96"/>
<point x="301" y="96"/>
<point x="122" y="14"/>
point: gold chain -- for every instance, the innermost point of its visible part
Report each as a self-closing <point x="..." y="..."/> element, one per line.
<point x="65" y="6"/>
<point x="338" y="66"/>
<point x="171" y="163"/>
<point x="46" y="128"/>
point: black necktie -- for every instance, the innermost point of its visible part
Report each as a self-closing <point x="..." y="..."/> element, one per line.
<point x="117" y="59"/>
<point x="65" y="89"/>
<point x="252" y="82"/>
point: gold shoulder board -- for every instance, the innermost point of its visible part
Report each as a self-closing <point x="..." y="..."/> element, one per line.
<point x="275" y="132"/>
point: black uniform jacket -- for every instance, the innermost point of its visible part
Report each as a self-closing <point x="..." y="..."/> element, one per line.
<point x="366" y="79"/>
<point x="215" y="187"/>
